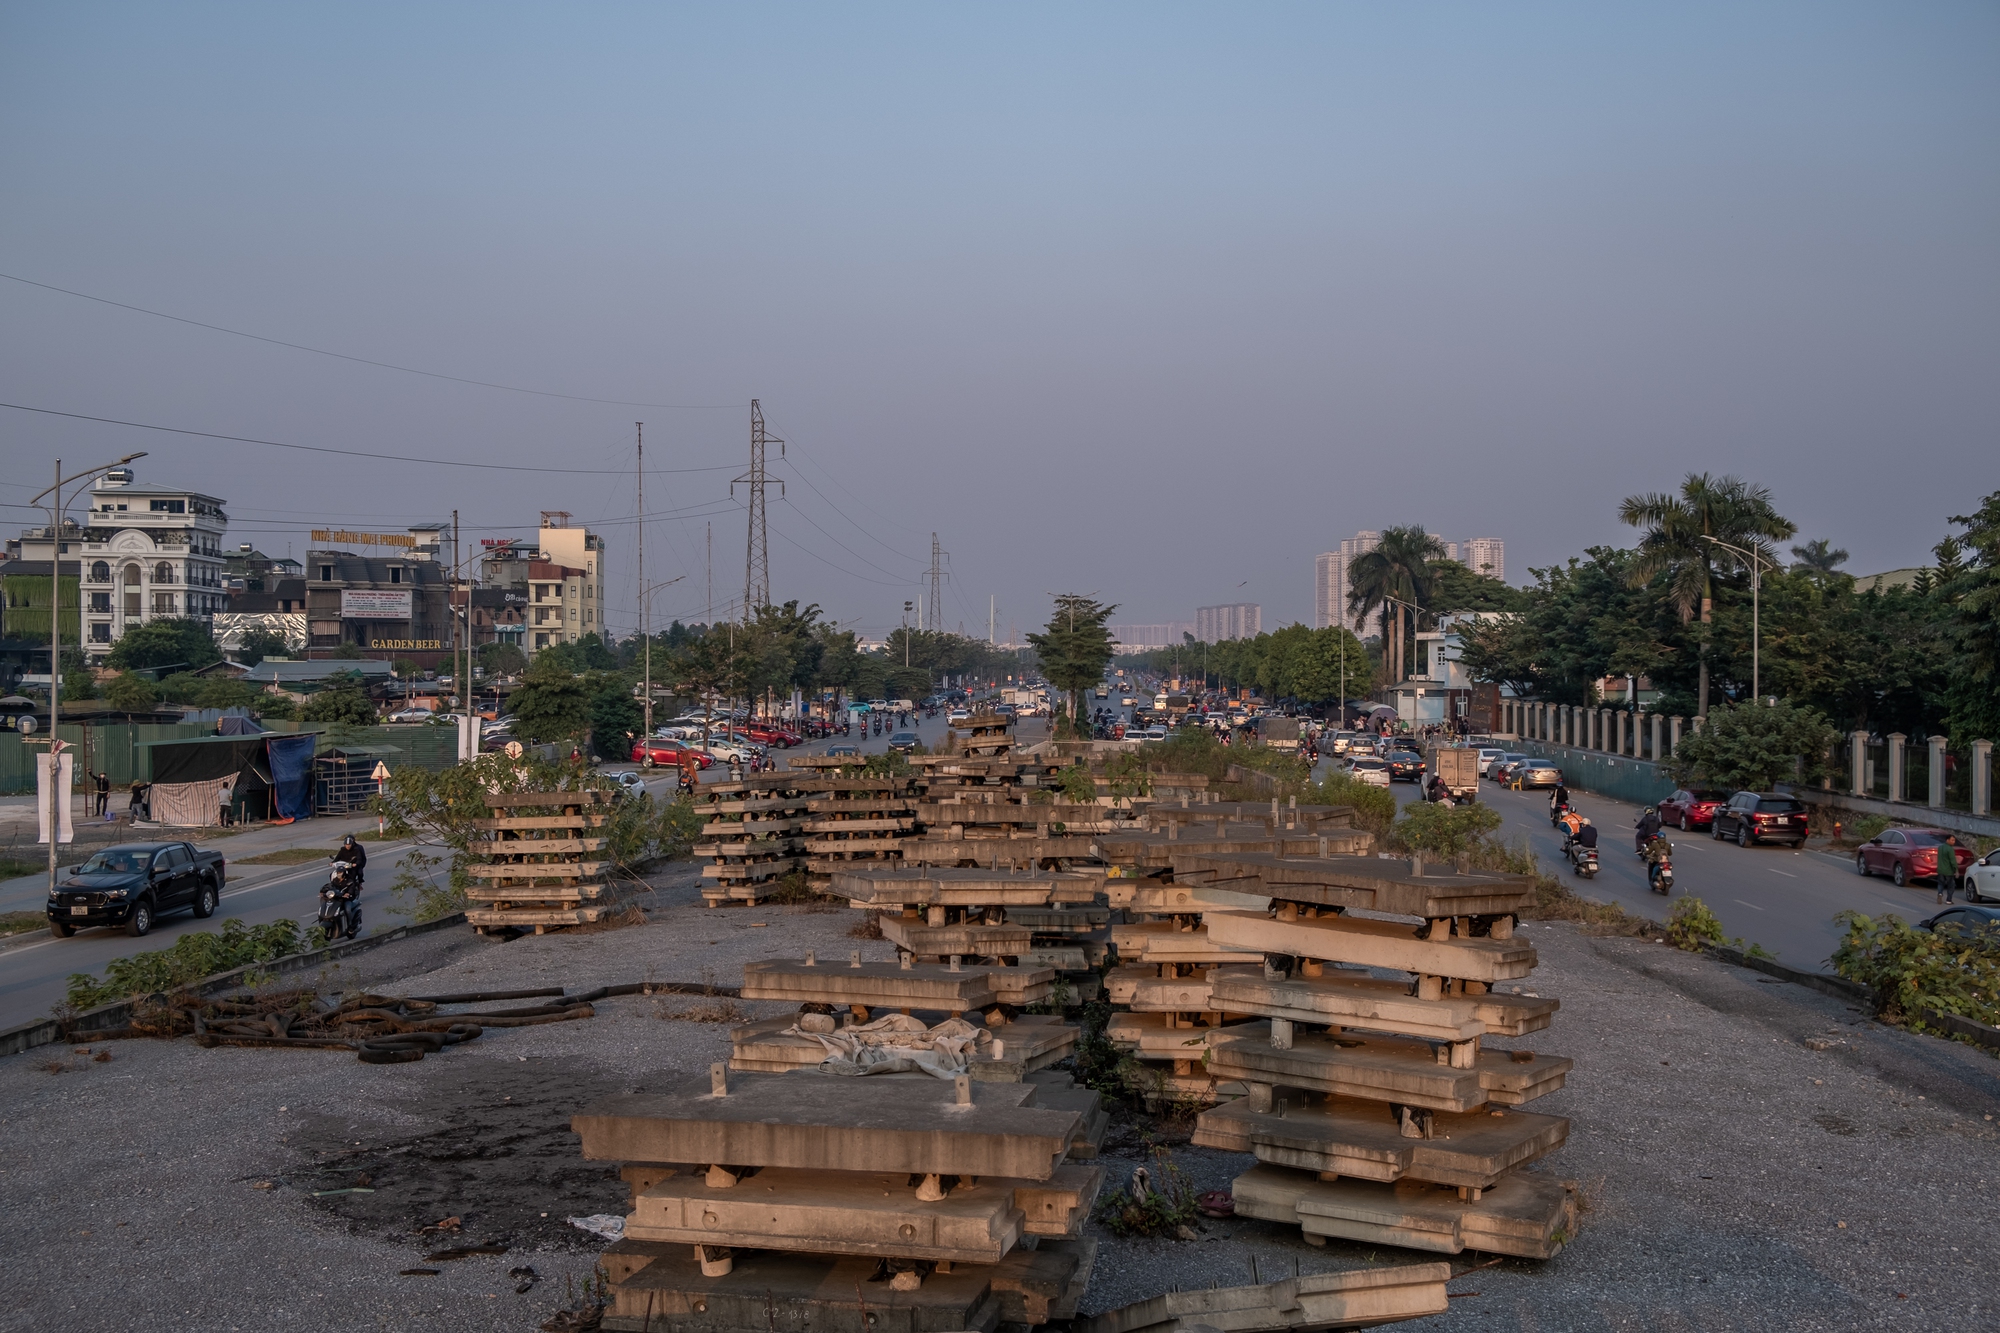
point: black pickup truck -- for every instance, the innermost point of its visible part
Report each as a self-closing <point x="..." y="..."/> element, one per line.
<point x="136" y="883"/>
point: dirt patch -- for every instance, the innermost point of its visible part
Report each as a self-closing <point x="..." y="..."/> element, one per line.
<point x="487" y="1141"/>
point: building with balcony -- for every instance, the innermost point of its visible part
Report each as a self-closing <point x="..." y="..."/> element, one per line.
<point x="1236" y="620"/>
<point x="565" y="587"/>
<point x="146" y="553"/>
<point x="388" y="607"/>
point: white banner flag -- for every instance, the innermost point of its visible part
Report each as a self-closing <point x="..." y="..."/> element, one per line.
<point x="63" y="766"/>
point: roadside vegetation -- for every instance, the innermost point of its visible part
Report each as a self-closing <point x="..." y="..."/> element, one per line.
<point x="1913" y="972"/>
<point x="190" y="958"/>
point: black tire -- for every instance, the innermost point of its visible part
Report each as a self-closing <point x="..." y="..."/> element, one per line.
<point x="1798" y="843"/>
<point x="1861" y="866"/>
<point x="1899" y="877"/>
<point x="1684" y="821"/>
<point x="205" y="900"/>
<point x="1743" y="835"/>
<point x="62" y="930"/>
<point x="1715" y="830"/>
<point x="140" y="923"/>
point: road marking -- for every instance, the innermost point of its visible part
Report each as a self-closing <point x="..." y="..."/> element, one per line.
<point x="1750" y="905"/>
<point x="1786" y="873"/>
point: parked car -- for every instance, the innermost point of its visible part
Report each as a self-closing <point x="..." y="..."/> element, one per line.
<point x="1374" y="772"/>
<point x="1982" y="881"/>
<point x="627" y="781"/>
<point x="1502" y="769"/>
<point x="1692" y="808"/>
<point x="1405" y="766"/>
<point x="1973" y="922"/>
<point x="412" y="715"/>
<point x="134" y="884"/>
<point x="1535" y="773"/>
<point x="1487" y="758"/>
<point x="1904" y="854"/>
<point x="730" y="752"/>
<point x="903" y="742"/>
<point x="1761" y="816"/>
<point x="765" y="735"/>
<point x="662" y="753"/>
<point x="845" y="751"/>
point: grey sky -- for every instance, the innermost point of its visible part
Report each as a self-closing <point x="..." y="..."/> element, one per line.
<point x="1148" y="301"/>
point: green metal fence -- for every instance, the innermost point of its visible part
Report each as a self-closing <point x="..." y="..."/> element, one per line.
<point x="1619" y="777"/>
<point x="120" y="749"/>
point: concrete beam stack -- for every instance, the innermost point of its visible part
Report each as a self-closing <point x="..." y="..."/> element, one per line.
<point x="854" y="821"/>
<point x="1028" y="917"/>
<point x="1374" y="1107"/>
<point x="802" y="1202"/>
<point x="752" y="835"/>
<point x="542" y="862"/>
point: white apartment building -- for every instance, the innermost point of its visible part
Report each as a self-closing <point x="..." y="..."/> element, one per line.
<point x="1481" y="555"/>
<point x="1138" y="638"/>
<point x="566" y="586"/>
<point x="148" y="553"/>
<point x="1234" y="620"/>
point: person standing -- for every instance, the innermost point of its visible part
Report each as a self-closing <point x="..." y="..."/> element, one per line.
<point x="103" y="793"/>
<point x="1947" y="868"/>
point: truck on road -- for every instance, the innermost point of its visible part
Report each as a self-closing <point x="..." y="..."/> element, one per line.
<point x="1457" y="766"/>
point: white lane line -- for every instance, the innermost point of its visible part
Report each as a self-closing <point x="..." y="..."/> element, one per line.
<point x="1752" y="905"/>
<point x="1786" y="873"/>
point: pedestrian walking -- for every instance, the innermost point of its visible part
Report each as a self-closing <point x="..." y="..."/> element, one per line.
<point x="103" y="793"/>
<point x="1947" y="868"/>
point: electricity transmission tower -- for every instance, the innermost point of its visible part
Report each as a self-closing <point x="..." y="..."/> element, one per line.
<point x="937" y="593"/>
<point x="757" y="563"/>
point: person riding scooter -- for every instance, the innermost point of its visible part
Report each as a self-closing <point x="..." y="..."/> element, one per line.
<point x="1649" y="828"/>
<point x="353" y="854"/>
<point x="1582" y="839"/>
<point x="1570" y="822"/>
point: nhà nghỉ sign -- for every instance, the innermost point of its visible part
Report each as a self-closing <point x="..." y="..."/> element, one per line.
<point x="342" y="537"/>
<point x="375" y="603"/>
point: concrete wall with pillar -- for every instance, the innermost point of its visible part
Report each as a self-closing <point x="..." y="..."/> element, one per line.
<point x="1857" y="762"/>
<point x="1937" y="744"/>
<point x="1896" y="739"/>
<point x="1656" y="756"/>
<point x="1674" y="733"/>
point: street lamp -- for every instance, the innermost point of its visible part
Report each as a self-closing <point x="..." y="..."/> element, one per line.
<point x="646" y="632"/>
<point x="1757" y="563"/>
<point x="55" y="630"/>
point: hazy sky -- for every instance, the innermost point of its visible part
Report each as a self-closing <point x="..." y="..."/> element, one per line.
<point x="1148" y="301"/>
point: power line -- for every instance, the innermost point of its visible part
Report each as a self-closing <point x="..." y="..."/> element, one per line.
<point x="348" y="453"/>
<point x="364" y="361"/>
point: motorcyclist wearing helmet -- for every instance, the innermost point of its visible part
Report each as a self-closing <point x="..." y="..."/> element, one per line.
<point x="1570" y="823"/>
<point x="1585" y="836"/>
<point x="351" y="853"/>
<point x="1649" y="827"/>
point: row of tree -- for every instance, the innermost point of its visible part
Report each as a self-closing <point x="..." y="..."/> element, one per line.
<point x="1677" y="607"/>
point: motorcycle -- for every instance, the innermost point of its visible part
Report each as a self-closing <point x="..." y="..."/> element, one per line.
<point x="1583" y="860"/>
<point x="1660" y="866"/>
<point x="1557" y="809"/>
<point x="339" y="905"/>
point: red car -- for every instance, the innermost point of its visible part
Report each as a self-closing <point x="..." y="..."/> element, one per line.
<point x="1904" y="854"/>
<point x="663" y="753"/>
<point x="1692" y="809"/>
<point x="763" y="735"/>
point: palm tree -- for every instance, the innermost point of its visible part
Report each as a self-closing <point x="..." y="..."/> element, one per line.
<point x="1681" y="532"/>
<point x="1819" y="557"/>
<point x="1397" y="570"/>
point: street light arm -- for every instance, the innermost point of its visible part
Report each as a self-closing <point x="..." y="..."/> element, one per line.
<point x="87" y="472"/>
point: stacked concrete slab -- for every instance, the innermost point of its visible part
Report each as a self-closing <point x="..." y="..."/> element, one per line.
<point x="752" y="835"/>
<point x="1029" y="917"/>
<point x="1375" y="1108"/>
<point x="854" y="821"/>
<point x="804" y="1202"/>
<point x="541" y="862"/>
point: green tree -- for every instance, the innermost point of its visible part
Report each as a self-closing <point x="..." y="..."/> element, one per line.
<point x="168" y="642"/>
<point x="553" y="703"/>
<point x="1074" y="650"/>
<point x="1973" y="695"/>
<point x="258" y="644"/>
<point x="343" y="702"/>
<point x="616" y="716"/>
<point x="78" y="683"/>
<point x="594" y="654"/>
<point x="131" y="694"/>
<point x="1680" y="543"/>
<point x="502" y="659"/>
<point x="347" y="652"/>
<point x="1752" y="747"/>
<point x="1398" y="570"/>
<point x="1818" y="557"/>
<point x="1456" y="588"/>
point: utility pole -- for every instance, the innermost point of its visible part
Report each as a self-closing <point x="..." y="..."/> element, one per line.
<point x="709" y="565"/>
<point x="989" y="620"/>
<point x="645" y="602"/>
<point x="757" y="561"/>
<point x="937" y="594"/>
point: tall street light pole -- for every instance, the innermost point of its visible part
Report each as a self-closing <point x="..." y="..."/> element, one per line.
<point x="1757" y="564"/>
<point x="54" y="495"/>
<point x="646" y="632"/>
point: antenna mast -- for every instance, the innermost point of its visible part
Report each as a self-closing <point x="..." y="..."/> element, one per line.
<point x="757" y="560"/>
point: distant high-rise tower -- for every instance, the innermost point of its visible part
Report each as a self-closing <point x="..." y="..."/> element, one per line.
<point x="1485" y="555"/>
<point x="1236" y="620"/>
<point x="1330" y="583"/>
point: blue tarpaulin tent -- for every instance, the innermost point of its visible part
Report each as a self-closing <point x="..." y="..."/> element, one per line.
<point x="292" y="774"/>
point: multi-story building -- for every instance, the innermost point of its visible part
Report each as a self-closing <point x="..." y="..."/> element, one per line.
<point x="1139" y="638"/>
<point x="276" y="606"/>
<point x="386" y="606"/>
<point x="1235" y="620"/>
<point x="147" y="553"/>
<point x="1331" y="585"/>
<point x="1485" y="555"/>
<point x="565" y="586"/>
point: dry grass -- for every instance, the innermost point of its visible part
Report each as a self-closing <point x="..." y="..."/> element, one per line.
<point x="1557" y="901"/>
<point x="20" y="923"/>
<point x="869" y="927"/>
